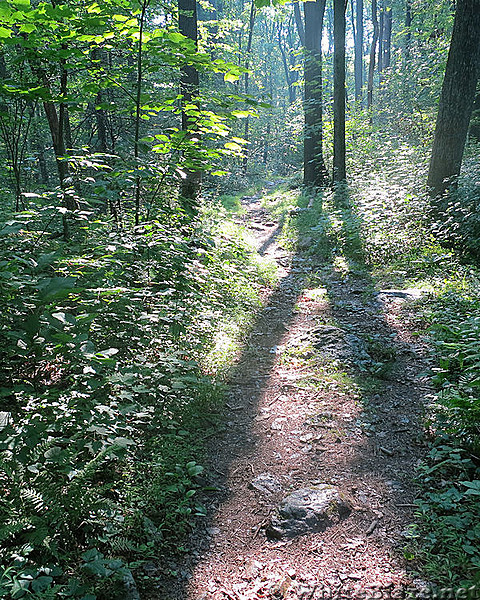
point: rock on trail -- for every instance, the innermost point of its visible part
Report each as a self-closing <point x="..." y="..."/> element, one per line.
<point x="308" y="510"/>
<point x="314" y="469"/>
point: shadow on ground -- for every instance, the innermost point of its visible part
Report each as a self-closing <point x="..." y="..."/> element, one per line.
<point x="366" y="381"/>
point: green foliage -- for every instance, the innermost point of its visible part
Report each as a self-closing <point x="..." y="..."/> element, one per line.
<point x="455" y="334"/>
<point x="456" y="217"/>
<point x="450" y="515"/>
<point x="104" y="400"/>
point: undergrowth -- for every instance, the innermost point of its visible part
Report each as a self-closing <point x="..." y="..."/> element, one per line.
<point x="407" y="242"/>
<point x="108" y="391"/>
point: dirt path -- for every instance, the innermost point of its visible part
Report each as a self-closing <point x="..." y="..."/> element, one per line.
<point x="327" y="391"/>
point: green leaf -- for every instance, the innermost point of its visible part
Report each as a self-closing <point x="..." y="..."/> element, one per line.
<point x="231" y="77"/>
<point x="27" y="28"/>
<point x="21" y="4"/>
<point x="55" y="287"/>
<point x="233" y="146"/>
<point x="40" y="584"/>
<point x="241" y="114"/>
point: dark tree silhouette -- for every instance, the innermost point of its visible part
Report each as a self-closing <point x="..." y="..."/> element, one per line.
<point x="456" y="99"/>
<point x="315" y="172"/>
<point x="339" y="170"/>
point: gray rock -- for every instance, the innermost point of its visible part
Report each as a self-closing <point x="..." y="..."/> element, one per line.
<point x="406" y="294"/>
<point x="308" y="510"/>
<point x="337" y="343"/>
<point x="304" y="243"/>
<point x="4" y="419"/>
<point x="265" y="483"/>
<point x="297" y="210"/>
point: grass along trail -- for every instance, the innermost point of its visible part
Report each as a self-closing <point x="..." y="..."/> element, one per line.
<point x="327" y="395"/>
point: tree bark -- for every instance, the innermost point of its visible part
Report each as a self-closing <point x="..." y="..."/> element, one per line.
<point x="251" y="23"/>
<point x="288" y="74"/>
<point x="339" y="169"/>
<point x="456" y="99"/>
<point x="299" y="22"/>
<point x="380" y="42"/>
<point x="358" y="65"/>
<point x="373" y="50"/>
<point x="315" y="172"/>
<point x="387" y="40"/>
<point x="475" y="120"/>
<point x="408" y="25"/>
<point x="189" y="86"/>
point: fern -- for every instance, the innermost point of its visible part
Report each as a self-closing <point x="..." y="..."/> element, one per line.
<point x="33" y="498"/>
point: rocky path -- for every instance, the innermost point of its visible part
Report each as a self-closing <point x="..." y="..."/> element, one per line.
<point x="314" y="470"/>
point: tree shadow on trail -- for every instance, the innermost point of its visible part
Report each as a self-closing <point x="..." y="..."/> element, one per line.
<point x="371" y="394"/>
<point x="247" y="381"/>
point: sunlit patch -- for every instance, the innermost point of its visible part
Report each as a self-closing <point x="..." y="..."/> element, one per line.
<point x="340" y="265"/>
<point x="315" y="294"/>
<point x="225" y="345"/>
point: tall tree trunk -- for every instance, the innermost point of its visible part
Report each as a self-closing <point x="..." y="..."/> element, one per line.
<point x="189" y="86"/>
<point x="315" y="172"/>
<point x="408" y="25"/>
<point x="251" y="23"/>
<point x="56" y="122"/>
<point x="138" y="110"/>
<point x="339" y="169"/>
<point x="373" y="50"/>
<point x="42" y="163"/>
<point x="358" y="66"/>
<point x="98" y="58"/>
<point x="266" y="142"/>
<point x="474" y="130"/>
<point x="299" y="22"/>
<point x="286" y="68"/>
<point x="380" y="43"/>
<point x="456" y="99"/>
<point x="387" y="38"/>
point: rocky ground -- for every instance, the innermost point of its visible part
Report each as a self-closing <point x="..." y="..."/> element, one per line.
<point x="314" y="469"/>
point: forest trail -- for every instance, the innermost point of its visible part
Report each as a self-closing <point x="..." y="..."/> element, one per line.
<point x="328" y="390"/>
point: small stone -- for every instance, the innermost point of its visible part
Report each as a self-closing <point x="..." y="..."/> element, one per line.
<point x="265" y="483"/>
<point x="213" y="530"/>
<point x="297" y="210"/>
<point x="304" y="243"/>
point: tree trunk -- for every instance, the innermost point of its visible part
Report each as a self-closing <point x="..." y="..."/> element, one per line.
<point x="373" y="50"/>
<point x="286" y="67"/>
<point x="265" y="143"/>
<point x="98" y="59"/>
<point x="475" y="120"/>
<point x="138" y="109"/>
<point x="299" y="22"/>
<point x="387" y="39"/>
<point x="456" y="99"/>
<point x="358" y="65"/>
<point x="408" y="25"/>
<point x="314" y="166"/>
<point x="339" y="170"/>
<point x="251" y="23"/>
<point x="189" y="86"/>
<point x="42" y="163"/>
<point x="380" y="43"/>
